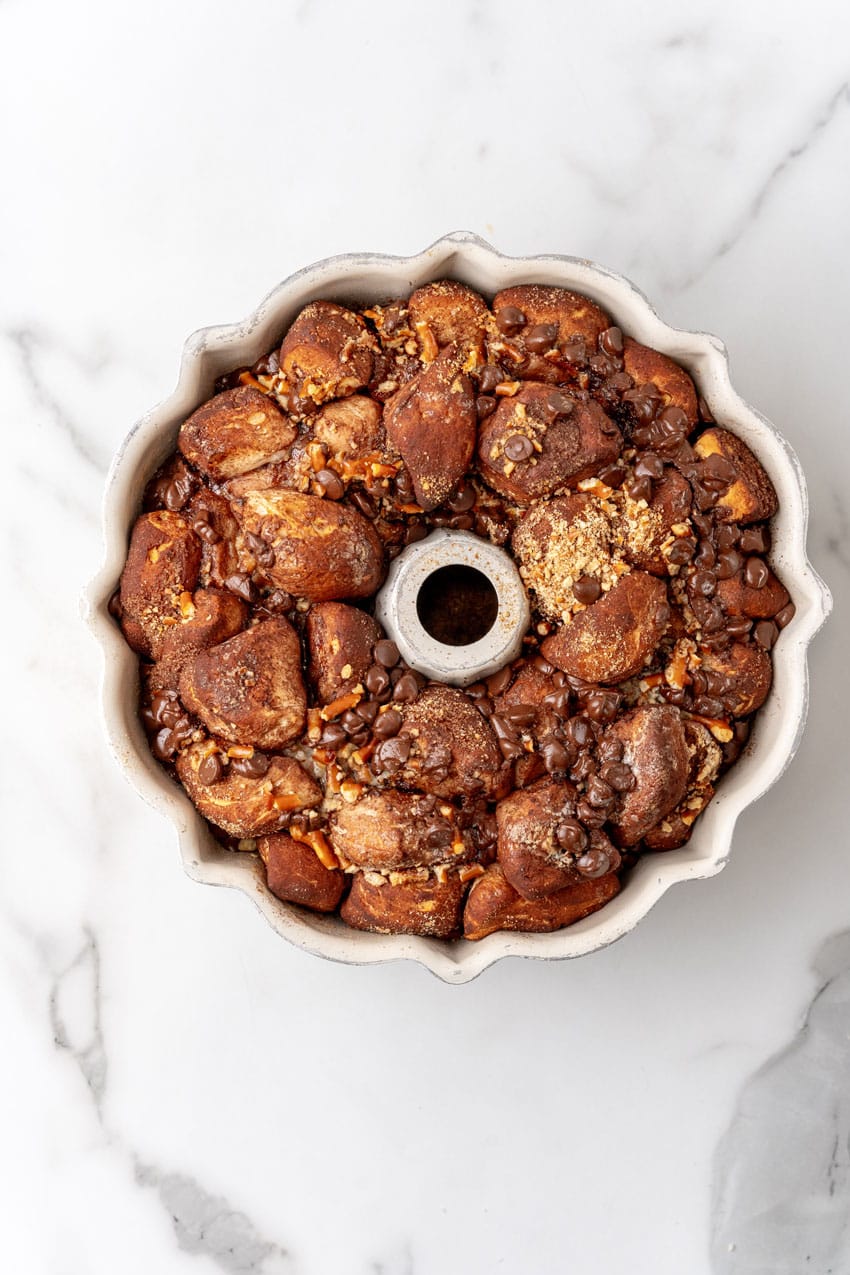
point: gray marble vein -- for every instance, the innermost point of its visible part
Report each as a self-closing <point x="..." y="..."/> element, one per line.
<point x="75" y="1016"/>
<point x="781" y="1198"/>
<point x="206" y="1224"/>
<point x="29" y="344"/>
<point x="203" y="1223"/>
<point x="839" y="99"/>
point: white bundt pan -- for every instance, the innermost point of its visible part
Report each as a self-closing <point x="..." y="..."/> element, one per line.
<point x="359" y="278"/>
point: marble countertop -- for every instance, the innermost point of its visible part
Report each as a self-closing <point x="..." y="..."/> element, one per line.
<point x="180" y="1091"/>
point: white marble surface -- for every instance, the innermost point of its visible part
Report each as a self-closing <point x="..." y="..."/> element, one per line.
<point x="180" y="1092"/>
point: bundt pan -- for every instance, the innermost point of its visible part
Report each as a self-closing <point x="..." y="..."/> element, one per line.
<point x="360" y="278"/>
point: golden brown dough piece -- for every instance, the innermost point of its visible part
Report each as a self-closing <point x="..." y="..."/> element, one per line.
<point x="452" y="747"/>
<point x="243" y="805"/>
<point x="532" y="858"/>
<point x="738" y="598"/>
<point x="656" y="752"/>
<point x="249" y="690"/>
<point x="428" y="907"/>
<point x="447" y="313"/>
<point x="322" y="550"/>
<point x="644" y="532"/>
<point x="431" y="421"/>
<point x="493" y="904"/>
<point x="750" y="496"/>
<point x="349" y="428"/>
<point x="650" y="367"/>
<point x="235" y="432"/>
<point x="565" y="316"/>
<point x="614" y="637"/>
<point x="541" y="440"/>
<point x="390" y="831"/>
<point x="210" y="617"/>
<point x="747" y="672"/>
<point x="295" y="874"/>
<point x="327" y="353"/>
<point x="339" y="642"/>
<point x="704" y="759"/>
<point x="161" y="571"/>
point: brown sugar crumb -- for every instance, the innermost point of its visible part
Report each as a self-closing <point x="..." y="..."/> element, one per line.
<point x="563" y="542"/>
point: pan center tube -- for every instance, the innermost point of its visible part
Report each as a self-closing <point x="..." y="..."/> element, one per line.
<point x="455" y="606"/>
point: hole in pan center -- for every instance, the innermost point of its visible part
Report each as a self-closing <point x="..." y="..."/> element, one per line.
<point x="457" y="605"/>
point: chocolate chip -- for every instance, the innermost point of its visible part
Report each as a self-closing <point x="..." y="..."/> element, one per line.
<point x="503" y="728"/>
<point x="708" y="706"/>
<point x="114" y="605"/>
<point x="163" y="745"/>
<point x="485" y="405"/>
<point x="520" y="715"/>
<point x="406" y="689"/>
<point x="601" y="705"/>
<point x="717" y="473"/>
<point x="766" y="633"/>
<point x="599" y="794"/>
<point x="618" y="775"/>
<point x="490" y="378"/>
<point x="729" y="563"/>
<point x="611" y="341"/>
<point x="557" y="403"/>
<point x="613" y="476"/>
<point x="415" y="531"/>
<point x="333" y="737"/>
<point x="738" y="626"/>
<point x="726" y="536"/>
<point x="673" y="424"/>
<point x="498" y="683"/>
<point x="556" y="759"/>
<point x="404" y="486"/>
<point x="331" y="484"/>
<point x="364" y="503"/>
<point x="755" y="540"/>
<point x="207" y="533"/>
<point x="591" y="816"/>
<point x="586" y="590"/>
<point x="393" y="753"/>
<point x="385" y="653"/>
<point x="541" y="337"/>
<point x="644" y="402"/>
<point x="462" y="500"/>
<point x="571" y="836"/>
<point x="640" y="489"/>
<point x="703" y="582"/>
<point x="682" y="550"/>
<point x="542" y="665"/>
<point x="240" y="584"/>
<point x="350" y="722"/>
<point x="518" y="447"/>
<point x="575" y="351"/>
<point x="756" y="573"/>
<point x="211" y="770"/>
<point x="377" y="679"/>
<point x="580" y="731"/>
<point x="510" y="320"/>
<point x="595" y="863"/>
<point x="611" y="749"/>
<point x="511" y="749"/>
<point x="785" y="616"/>
<point x="706" y="555"/>
<point x="387" y="724"/>
<point x="253" y="767"/>
<point x="367" y="710"/>
<point x="648" y="465"/>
